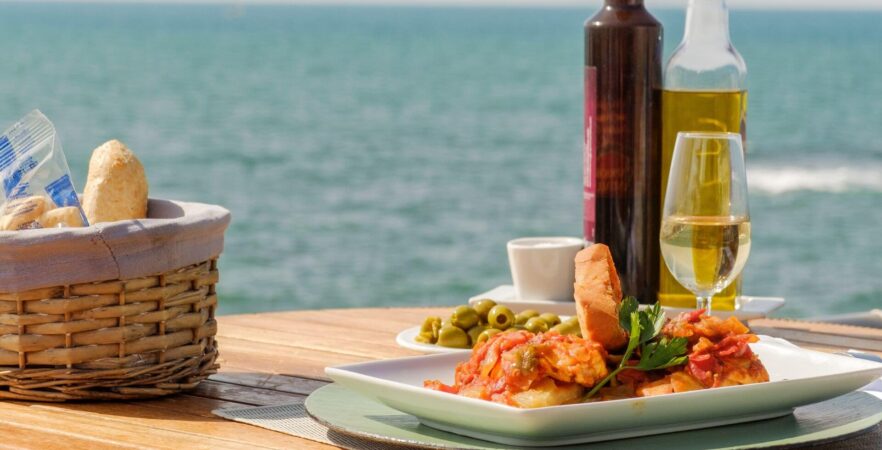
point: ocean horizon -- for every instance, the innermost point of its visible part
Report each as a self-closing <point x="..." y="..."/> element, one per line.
<point x="383" y="155"/>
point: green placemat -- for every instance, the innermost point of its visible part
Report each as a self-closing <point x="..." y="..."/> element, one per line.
<point x="349" y="420"/>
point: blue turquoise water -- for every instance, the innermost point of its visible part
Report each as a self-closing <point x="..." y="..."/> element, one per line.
<point x="383" y="156"/>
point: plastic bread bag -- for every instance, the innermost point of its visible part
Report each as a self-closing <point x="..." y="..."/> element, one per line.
<point x="37" y="187"/>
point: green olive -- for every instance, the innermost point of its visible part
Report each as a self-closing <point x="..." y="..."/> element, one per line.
<point x="464" y="317"/>
<point x="487" y="334"/>
<point x="573" y="324"/>
<point x="474" y="332"/>
<point x="525" y="315"/>
<point x="550" y="318"/>
<point x="565" y="329"/>
<point x="483" y="307"/>
<point x="436" y="329"/>
<point x="425" y="338"/>
<point x="451" y="336"/>
<point x="429" y="330"/>
<point x="500" y="317"/>
<point x="430" y="324"/>
<point x="536" y="325"/>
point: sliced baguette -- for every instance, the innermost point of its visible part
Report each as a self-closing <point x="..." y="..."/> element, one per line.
<point x="598" y="294"/>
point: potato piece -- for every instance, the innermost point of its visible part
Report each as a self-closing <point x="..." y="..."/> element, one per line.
<point x="68" y="216"/>
<point x="116" y="188"/>
<point x="548" y="393"/>
<point x="659" y="387"/>
<point x="22" y="212"/>
<point x="684" y="382"/>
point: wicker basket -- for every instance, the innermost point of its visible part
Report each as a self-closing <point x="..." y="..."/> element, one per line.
<point x="113" y="311"/>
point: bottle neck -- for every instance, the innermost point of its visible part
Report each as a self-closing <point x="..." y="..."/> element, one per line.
<point x="624" y="3"/>
<point x="707" y="23"/>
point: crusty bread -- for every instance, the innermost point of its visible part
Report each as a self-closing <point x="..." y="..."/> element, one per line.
<point x="116" y="188"/>
<point x="22" y="212"/>
<point x="68" y="216"/>
<point x="598" y="294"/>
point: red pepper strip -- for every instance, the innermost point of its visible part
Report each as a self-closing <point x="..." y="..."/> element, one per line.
<point x="703" y="366"/>
<point x="693" y="316"/>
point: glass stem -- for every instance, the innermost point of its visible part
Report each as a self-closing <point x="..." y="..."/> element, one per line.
<point x="703" y="302"/>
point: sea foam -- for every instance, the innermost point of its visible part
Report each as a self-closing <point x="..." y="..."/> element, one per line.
<point x="835" y="179"/>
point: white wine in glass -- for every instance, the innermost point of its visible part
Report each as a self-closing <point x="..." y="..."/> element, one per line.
<point x="705" y="230"/>
<point x="705" y="254"/>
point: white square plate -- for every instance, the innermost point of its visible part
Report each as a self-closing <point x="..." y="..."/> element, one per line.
<point x="798" y="377"/>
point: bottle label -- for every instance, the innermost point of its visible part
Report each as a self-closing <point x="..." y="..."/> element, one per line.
<point x="590" y="153"/>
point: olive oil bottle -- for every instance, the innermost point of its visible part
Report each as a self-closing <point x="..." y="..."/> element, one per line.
<point x="705" y="89"/>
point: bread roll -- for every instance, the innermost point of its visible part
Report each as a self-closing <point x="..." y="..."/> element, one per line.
<point x="68" y="216"/>
<point x="20" y="213"/>
<point x="116" y="188"/>
<point x="598" y="294"/>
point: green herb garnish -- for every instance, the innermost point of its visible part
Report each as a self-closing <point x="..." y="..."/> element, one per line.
<point x="643" y="329"/>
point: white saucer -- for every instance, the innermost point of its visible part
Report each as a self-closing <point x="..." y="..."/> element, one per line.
<point x="751" y="307"/>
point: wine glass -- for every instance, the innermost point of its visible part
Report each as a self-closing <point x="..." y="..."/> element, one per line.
<point x="705" y="231"/>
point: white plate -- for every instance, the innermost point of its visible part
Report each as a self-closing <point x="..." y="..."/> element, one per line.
<point x="751" y="307"/>
<point x="406" y="339"/>
<point x="798" y="377"/>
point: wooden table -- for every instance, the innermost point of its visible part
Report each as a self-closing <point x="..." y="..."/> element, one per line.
<point x="266" y="359"/>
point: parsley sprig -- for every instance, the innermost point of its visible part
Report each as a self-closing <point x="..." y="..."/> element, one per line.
<point x="643" y="329"/>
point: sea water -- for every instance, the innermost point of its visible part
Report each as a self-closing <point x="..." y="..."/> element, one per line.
<point x="383" y="156"/>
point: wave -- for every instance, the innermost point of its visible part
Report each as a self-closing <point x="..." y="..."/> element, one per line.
<point x="835" y="179"/>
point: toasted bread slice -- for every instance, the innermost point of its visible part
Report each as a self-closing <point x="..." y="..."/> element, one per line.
<point x="598" y="294"/>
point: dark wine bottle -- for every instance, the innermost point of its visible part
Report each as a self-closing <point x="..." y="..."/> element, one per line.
<point x="623" y="82"/>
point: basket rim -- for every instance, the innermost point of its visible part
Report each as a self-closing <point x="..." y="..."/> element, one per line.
<point x="192" y="211"/>
<point x="177" y="234"/>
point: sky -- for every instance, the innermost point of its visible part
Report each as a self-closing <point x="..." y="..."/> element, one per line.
<point x="734" y="4"/>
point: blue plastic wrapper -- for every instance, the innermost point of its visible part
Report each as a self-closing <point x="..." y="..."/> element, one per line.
<point x="37" y="188"/>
